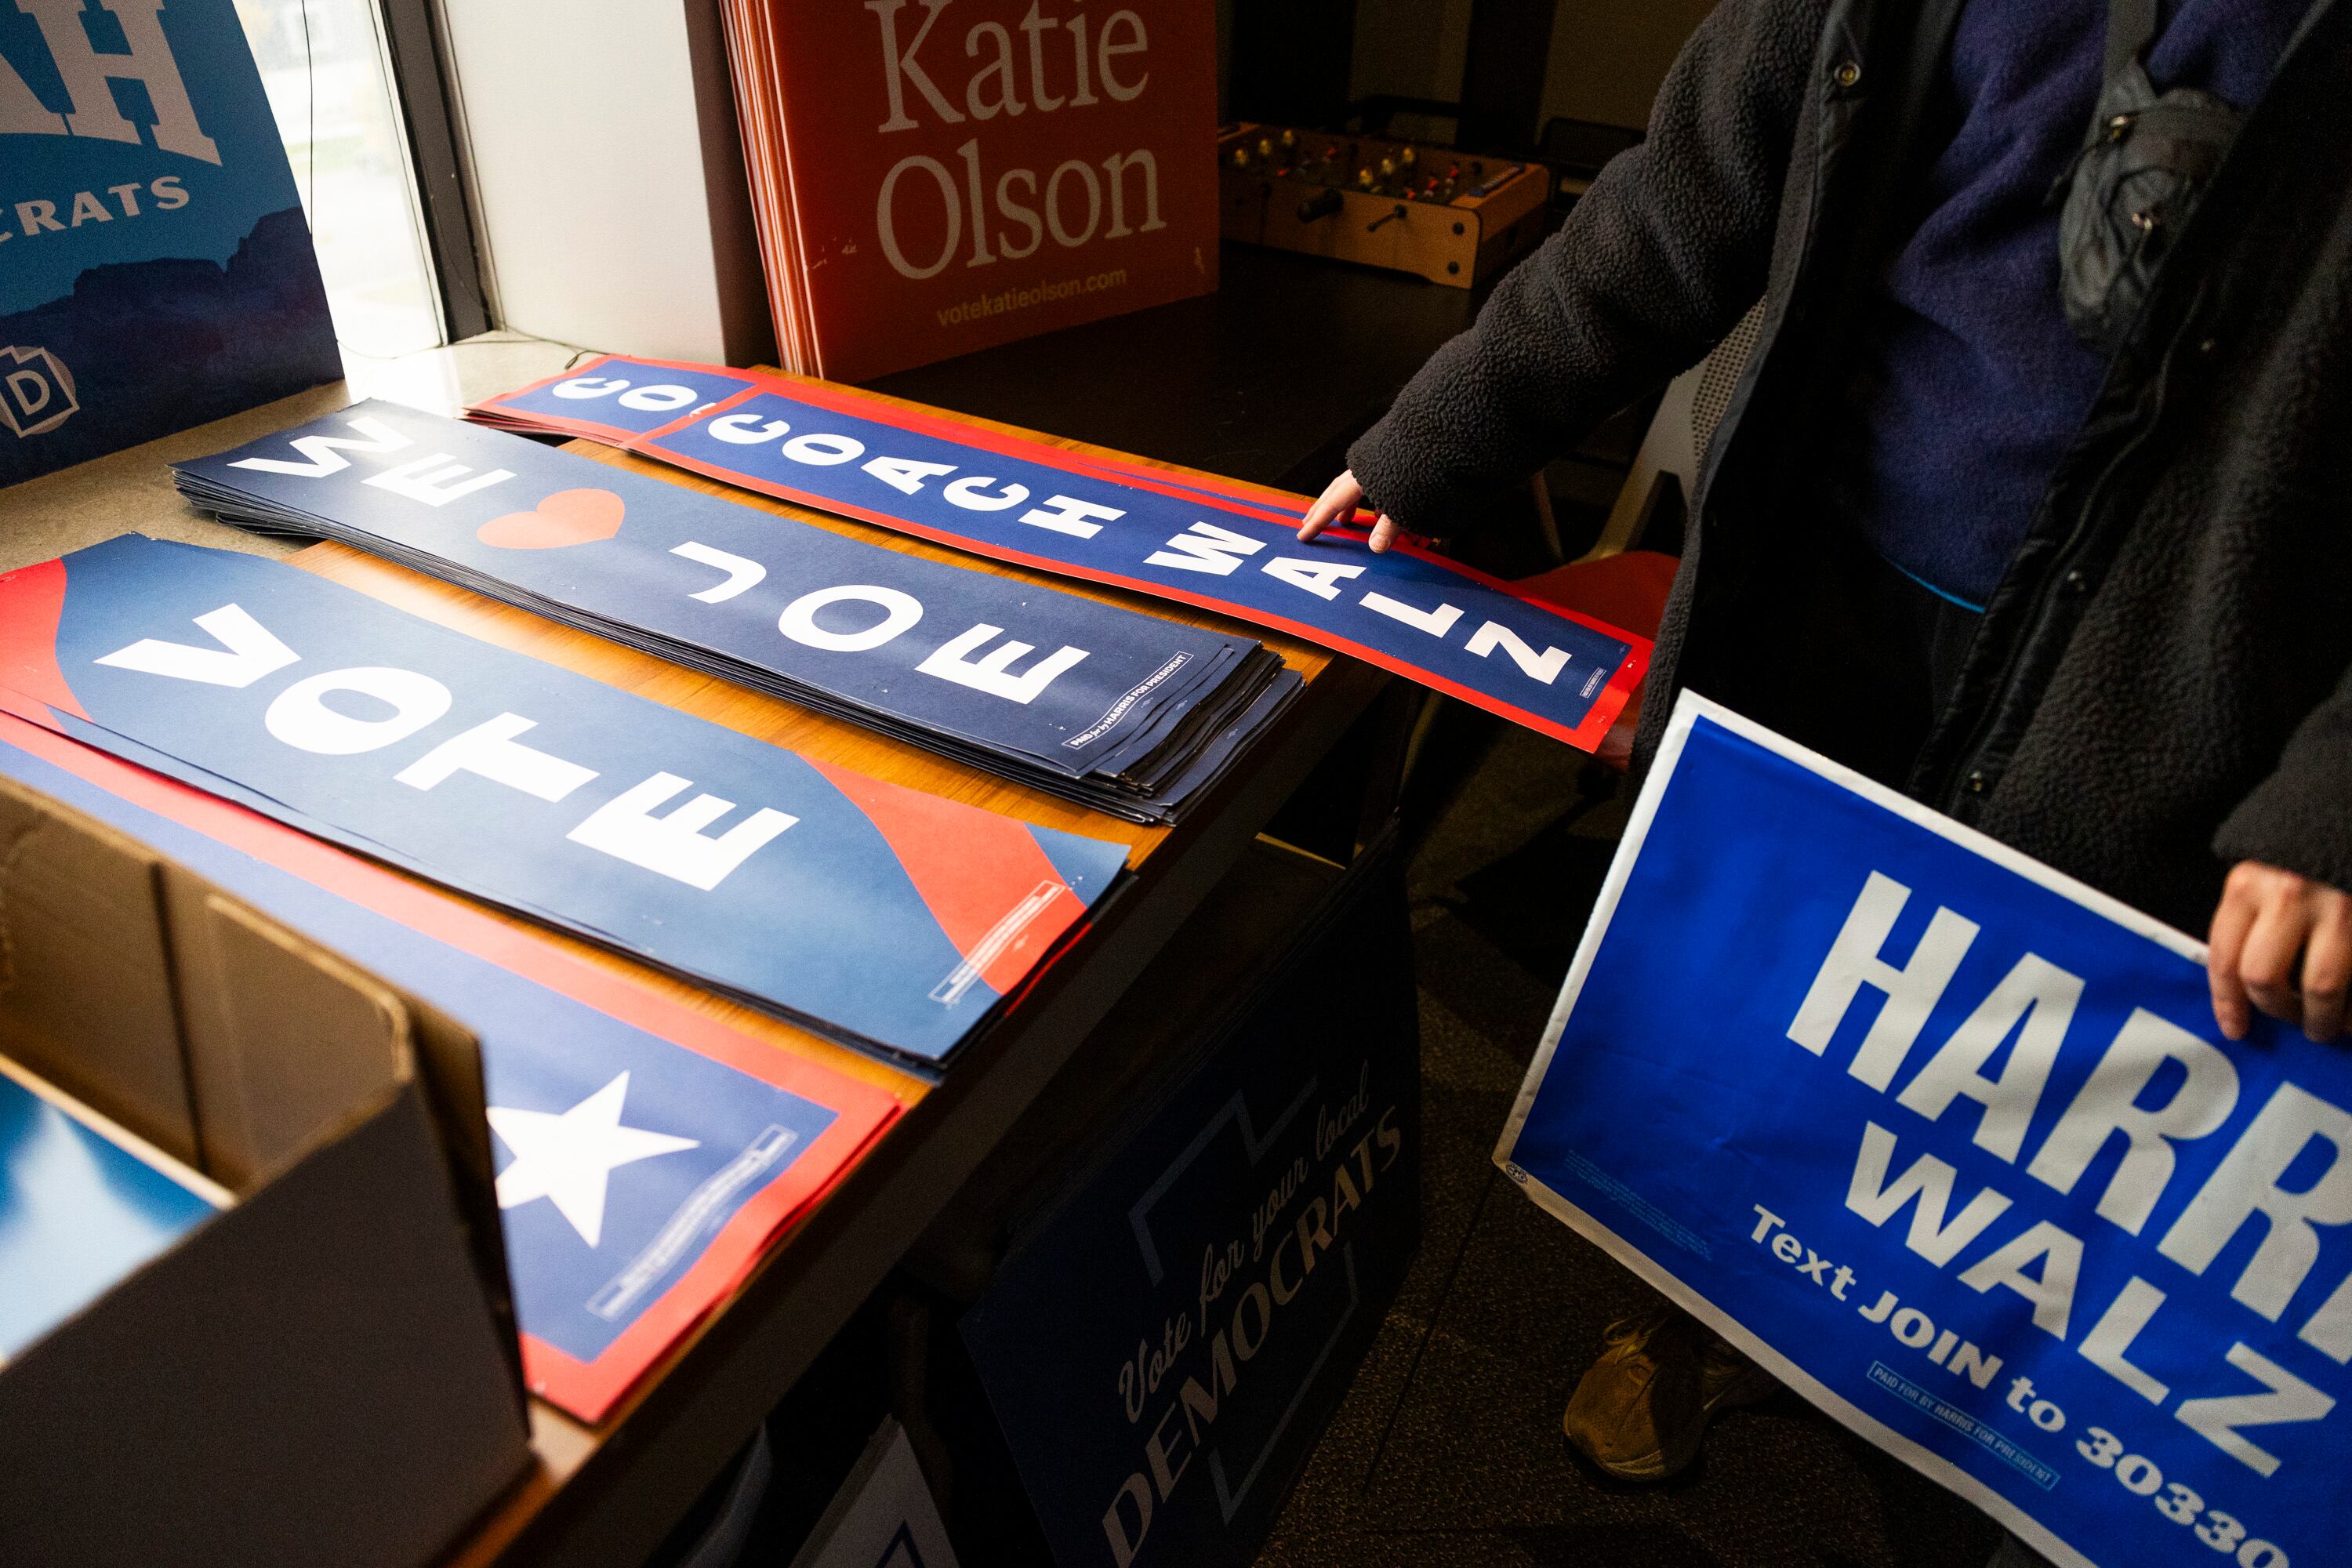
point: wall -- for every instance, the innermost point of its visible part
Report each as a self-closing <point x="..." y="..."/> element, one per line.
<point x="1608" y="58"/>
<point x="1412" y="48"/>
<point x="608" y="174"/>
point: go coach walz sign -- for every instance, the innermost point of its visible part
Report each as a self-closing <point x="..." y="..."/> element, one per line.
<point x="1952" y="1145"/>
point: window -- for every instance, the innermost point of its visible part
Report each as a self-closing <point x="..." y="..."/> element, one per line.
<point x="326" y="69"/>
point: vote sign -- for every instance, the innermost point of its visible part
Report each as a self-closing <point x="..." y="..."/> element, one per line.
<point x="1952" y="1145"/>
<point x="875" y="913"/>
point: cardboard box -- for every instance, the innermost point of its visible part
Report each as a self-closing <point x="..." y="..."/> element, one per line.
<point x="326" y="1372"/>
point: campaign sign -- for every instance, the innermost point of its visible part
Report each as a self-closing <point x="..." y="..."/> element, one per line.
<point x="83" y="1204"/>
<point x="614" y="399"/>
<point x="880" y="914"/>
<point x="1451" y="629"/>
<point x="1162" y="1351"/>
<point x="155" y="269"/>
<point x="1063" y="679"/>
<point x="648" y="1154"/>
<point x="1952" y="1144"/>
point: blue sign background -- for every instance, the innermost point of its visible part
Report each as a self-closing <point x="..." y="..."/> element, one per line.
<point x="1670" y="1101"/>
<point x="630" y="397"/>
<point x="78" y="1212"/>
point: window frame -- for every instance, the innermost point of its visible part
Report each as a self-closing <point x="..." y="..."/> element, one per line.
<point x="416" y="55"/>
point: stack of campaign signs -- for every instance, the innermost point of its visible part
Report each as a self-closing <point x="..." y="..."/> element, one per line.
<point x="1952" y="1144"/>
<point x="1127" y="713"/>
<point x="647" y="1156"/>
<point x="82" y="1205"/>
<point x="883" y="917"/>
<point x="1214" y="543"/>
<point x="917" y="202"/>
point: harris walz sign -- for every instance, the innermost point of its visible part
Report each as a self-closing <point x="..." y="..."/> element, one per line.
<point x="1951" y="1144"/>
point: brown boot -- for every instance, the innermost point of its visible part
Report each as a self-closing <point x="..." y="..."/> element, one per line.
<point x="1641" y="1409"/>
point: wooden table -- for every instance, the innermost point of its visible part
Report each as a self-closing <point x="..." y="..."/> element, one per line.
<point x="607" y="1494"/>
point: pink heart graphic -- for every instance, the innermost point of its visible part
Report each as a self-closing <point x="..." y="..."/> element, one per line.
<point x="567" y="517"/>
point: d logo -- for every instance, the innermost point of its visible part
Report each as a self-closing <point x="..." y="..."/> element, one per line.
<point x="37" y="391"/>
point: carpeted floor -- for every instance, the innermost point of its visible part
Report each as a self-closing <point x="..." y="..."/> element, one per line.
<point x="1448" y="1450"/>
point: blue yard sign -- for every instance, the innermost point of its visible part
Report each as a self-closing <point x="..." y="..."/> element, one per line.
<point x="82" y="1205"/>
<point x="1064" y="684"/>
<point x="155" y="269"/>
<point x="1168" y="1338"/>
<point x="1952" y="1145"/>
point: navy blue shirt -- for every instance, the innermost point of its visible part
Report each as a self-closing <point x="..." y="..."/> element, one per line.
<point x="1968" y="384"/>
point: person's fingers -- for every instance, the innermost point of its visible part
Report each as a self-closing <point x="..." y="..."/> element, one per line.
<point x="2327" y="968"/>
<point x="1384" y="533"/>
<point x="2267" y="966"/>
<point x="2232" y="919"/>
<point x="1335" y="504"/>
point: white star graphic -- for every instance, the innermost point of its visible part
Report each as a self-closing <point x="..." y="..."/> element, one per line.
<point x="566" y="1158"/>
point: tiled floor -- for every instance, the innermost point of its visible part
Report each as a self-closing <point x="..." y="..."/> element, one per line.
<point x="1447" y="1450"/>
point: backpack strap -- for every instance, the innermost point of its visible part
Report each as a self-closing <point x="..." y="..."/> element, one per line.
<point x="2130" y="25"/>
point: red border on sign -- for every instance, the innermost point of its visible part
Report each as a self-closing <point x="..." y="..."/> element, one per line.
<point x="587" y="1389"/>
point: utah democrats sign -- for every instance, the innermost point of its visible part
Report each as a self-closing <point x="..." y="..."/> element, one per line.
<point x="1951" y="1144"/>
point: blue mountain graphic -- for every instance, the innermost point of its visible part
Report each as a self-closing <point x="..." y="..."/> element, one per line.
<point x="157" y="346"/>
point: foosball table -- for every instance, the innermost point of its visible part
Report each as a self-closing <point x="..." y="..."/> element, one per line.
<point x="1446" y="216"/>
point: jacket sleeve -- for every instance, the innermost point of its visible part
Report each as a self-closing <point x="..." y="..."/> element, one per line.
<point x="1655" y="264"/>
<point x="2300" y="818"/>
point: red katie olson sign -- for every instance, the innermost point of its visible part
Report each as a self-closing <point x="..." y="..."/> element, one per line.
<point x="970" y="172"/>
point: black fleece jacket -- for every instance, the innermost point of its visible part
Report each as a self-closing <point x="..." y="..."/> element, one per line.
<point x="2162" y="684"/>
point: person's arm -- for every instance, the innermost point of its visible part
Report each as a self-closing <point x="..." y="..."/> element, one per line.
<point x="1656" y="263"/>
<point x="2282" y="939"/>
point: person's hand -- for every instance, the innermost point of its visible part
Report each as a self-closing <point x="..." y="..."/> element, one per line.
<point x="2268" y="919"/>
<point x="1337" y="503"/>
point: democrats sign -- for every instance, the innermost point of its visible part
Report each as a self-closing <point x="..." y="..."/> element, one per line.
<point x="1952" y="1145"/>
<point x="1063" y="683"/>
<point x="1162" y="1350"/>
